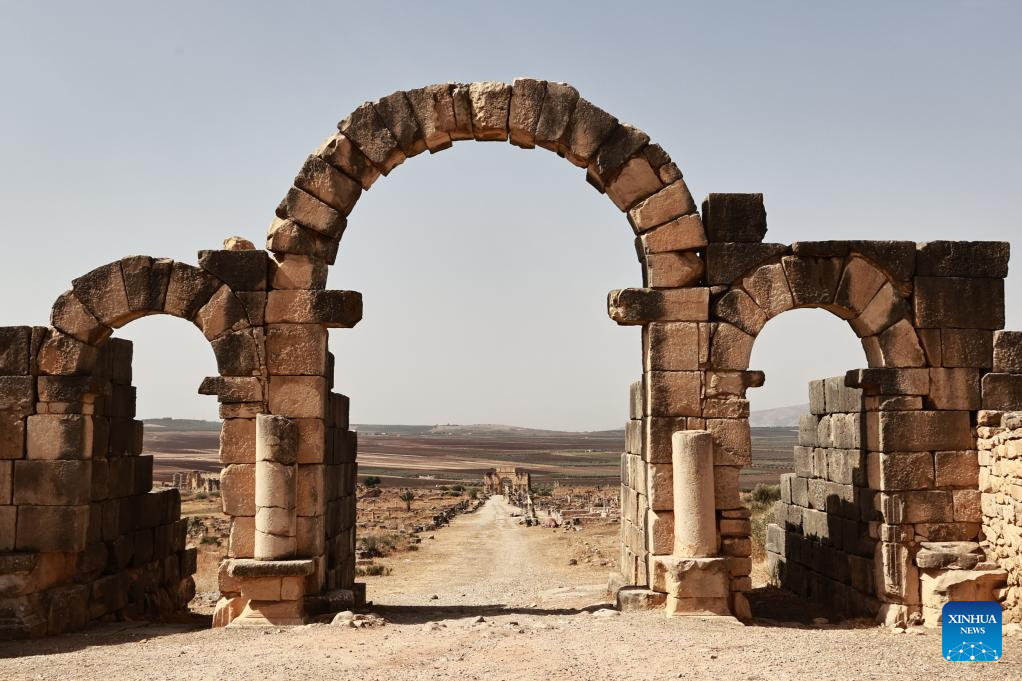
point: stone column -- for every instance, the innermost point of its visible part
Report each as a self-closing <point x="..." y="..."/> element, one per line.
<point x="276" y="487"/>
<point x="695" y="525"/>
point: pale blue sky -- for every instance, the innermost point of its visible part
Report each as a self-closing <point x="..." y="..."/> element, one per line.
<point x="161" y="128"/>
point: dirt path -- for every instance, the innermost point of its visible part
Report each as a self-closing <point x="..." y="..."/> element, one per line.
<point x="534" y="626"/>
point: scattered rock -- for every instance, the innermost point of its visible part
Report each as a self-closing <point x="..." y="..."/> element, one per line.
<point x="607" y="612"/>
<point x="572" y="561"/>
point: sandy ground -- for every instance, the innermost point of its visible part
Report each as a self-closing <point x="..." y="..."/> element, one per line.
<point x="541" y="619"/>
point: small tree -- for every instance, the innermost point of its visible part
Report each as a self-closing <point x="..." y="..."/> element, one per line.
<point x="372" y="481"/>
<point x="407" y="496"/>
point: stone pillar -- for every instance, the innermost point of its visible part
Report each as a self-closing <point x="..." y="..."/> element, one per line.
<point x="695" y="524"/>
<point x="276" y="487"/>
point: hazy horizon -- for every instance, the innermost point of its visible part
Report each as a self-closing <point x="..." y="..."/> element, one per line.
<point x="163" y="129"/>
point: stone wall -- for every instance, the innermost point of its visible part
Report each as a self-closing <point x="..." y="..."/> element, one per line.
<point x="1000" y="477"/>
<point x="819" y="545"/>
<point x="83" y="536"/>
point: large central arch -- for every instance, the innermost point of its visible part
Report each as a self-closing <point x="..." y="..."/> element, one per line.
<point x="927" y="315"/>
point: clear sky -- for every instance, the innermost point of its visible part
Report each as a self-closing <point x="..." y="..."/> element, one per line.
<point x="161" y="128"/>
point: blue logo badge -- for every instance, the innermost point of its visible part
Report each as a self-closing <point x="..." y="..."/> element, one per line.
<point x="971" y="631"/>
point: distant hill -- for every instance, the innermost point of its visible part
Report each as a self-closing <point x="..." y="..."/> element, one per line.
<point x="171" y="425"/>
<point x="781" y="417"/>
<point x="180" y="425"/>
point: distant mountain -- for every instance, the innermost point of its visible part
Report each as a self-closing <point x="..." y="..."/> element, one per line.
<point x="781" y="417"/>
<point x="178" y="425"/>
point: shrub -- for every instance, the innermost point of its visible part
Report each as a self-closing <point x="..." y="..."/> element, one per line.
<point x="766" y="494"/>
<point x="372" y="481"/>
<point x="372" y="571"/>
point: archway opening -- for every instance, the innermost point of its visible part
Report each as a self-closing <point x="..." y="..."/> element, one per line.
<point x="493" y="358"/>
<point x="180" y="435"/>
<point x="804" y="354"/>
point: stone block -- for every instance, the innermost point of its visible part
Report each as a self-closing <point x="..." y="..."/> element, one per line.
<point x="435" y="112"/>
<point x="735" y="217"/>
<point x="299" y="272"/>
<point x="808" y="432"/>
<point x="397" y="114"/>
<point x="491" y="104"/>
<point x="241" y="541"/>
<point x="237" y="489"/>
<point x="804" y="461"/>
<point x="690" y="578"/>
<point x="885" y="309"/>
<point x="800" y="492"/>
<point x="636" y="180"/>
<point x="296" y="349"/>
<point x="673" y="270"/>
<point x="930" y="506"/>
<point x="527" y="96"/>
<point x="340" y="152"/>
<point x="334" y="309"/>
<point x="967" y="505"/>
<point x="659" y="487"/>
<point x="102" y="292"/>
<point x="241" y="270"/>
<point x="841" y="398"/>
<point x="311" y="499"/>
<point x="963" y="259"/>
<point x="683" y="234"/>
<point x="640" y="306"/>
<point x="589" y="125"/>
<point x="288" y="237"/>
<point x="768" y="286"/>
<point x="71" y="317"/>
<point x="1002" y="392"/>
<point x="918" y="431"/>
<point x="623" y="143"/>
<point x="15" y="350"/>
<point x="898" y="346"/>
<point x="732" y="441"/>
<point x="52" y="528"/>
<point x="59" y="436"/>
<point x="967" y="348"/>
<point x="673" y="393"/>
<point x="858" y="286"/>
<point x="298" y="396"/>
<point x="1007" y="352"/>
<point x="52" y="483"/>
<point x="60" y="354"/>
<point x="237" y="441"/>
<point x="18" y="395"/>
<point x="672" y="346"/>
<point x="670" y="203"/>
<point x="883" y="381"/>
<point x="955" y="389"/>
<point x="730" y="347"/>
<point x="738" y="308"/>
<point x="372" y="137"/>
<point x="900" y="470"/>
<point x="327" y="184"/>
<point x="813" y="281"/>
<point x="726" y="263"/>
<point x="726" y="487"/>
<point x="959" y="302"/>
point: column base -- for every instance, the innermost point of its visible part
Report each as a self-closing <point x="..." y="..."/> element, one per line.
<point x="271" y="613"/>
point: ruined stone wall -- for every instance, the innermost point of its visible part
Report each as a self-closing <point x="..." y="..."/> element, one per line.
<point x="819" y="545"/>
<point x="83" y="536"/>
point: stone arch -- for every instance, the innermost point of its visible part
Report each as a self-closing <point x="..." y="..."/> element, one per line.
<point x="638" y="176"/>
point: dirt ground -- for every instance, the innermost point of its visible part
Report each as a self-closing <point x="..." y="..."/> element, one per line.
<point x="489" y="598"/>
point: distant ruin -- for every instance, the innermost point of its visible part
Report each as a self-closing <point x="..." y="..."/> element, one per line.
<point x="501" y="480"/>
<point x="197" y="481"/>
<point x="83" y="536"/>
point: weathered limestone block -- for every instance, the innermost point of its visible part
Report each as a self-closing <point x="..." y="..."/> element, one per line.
<point x="54" y="528"/>
<point x="639" y="306"/>
<point x="725" y="487"/>
<point x="296" y="349"/>
<point x="223" y="313"/>
<point x="813" y="281"/>
<point x="1007" y="352"/>
<point x="959" y="302"/>
<point x="735" y="217"/>
<point x="963" y="259"/>
<point x="732" y="440"/>
<point x="555" y="116"/>
<point x="59" y="436"/>
<point x="63" y="355"/>
<point x="730" y="347"/>
<point x="491" y="103"/>
<point x="435" y="111"/>
<point x="727" y="262"/>
<point x="74" y="319"/>
<point x="372" y="137"/>
<point x="670" y="203"/>
<point x="234" y="389"/>
<point x="335" y="309"/>
<point x="885" y="309"/>
<point x="298" y="396"/>
<point x="1002" y="392"/>
<point x="241" y="270"/>
<point x="241" y="542"/>
<point x="967" y="507"/>
<point x="731" y="383"/>
<point x="882" y="381"/>
<point x="673" y="393"/>
<point x="299" y="272"/>
<point x="589" y="126"/>
<point x="526" y="104"/>
<point x="900" y="470"/>
<point x="15" y="350"/>
<point x="288" y="237"/>
<point x="673" y="346"/>
<point x="311" y="490"/>
<point x="690" y="577"/>
<point x="188" y="290"/>
<point x="660" y="532"/>
<point x="103" y="294"/>
<point x="683" y="234"/>
<point x="18" y="394"/>
<point x="930" y="506"/>
<point x="896" y="576"/>
<point x="767" y="285"/>
<point x="955" y="389"/>
<point x="673" y="270"/>
<point x="239" y="353"/>
<point x="635" y="181"/>
<point x="397" y="114"/>
<point x="898" y="346"/>
<point x="237" y="441"/>
<point x="237" y="489"/>
<point x="623" y="143"/>
<point x="341" y="153"/>
<point x="311" y="213"/>
<point x="919" y="431"/>
<point x="738" y="308"/>
<point x="145" y="282"/>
